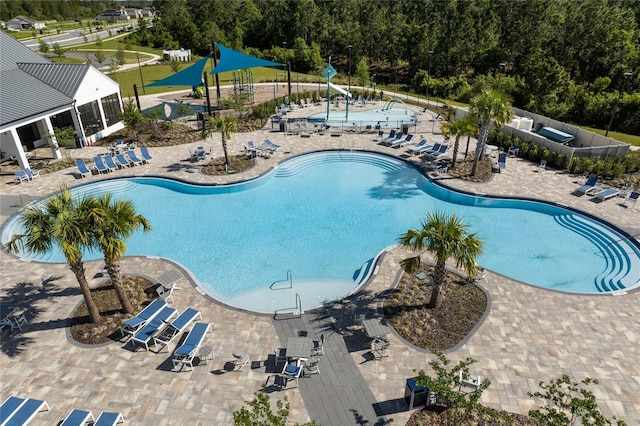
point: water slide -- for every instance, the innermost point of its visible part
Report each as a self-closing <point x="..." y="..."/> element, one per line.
<point x="340" y="89"/>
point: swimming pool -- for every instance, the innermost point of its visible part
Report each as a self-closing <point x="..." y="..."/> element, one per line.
<point x="387" y="117"/>
<point x="325" y="216"/>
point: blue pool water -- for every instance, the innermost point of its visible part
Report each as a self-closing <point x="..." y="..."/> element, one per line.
<point x="386" y="118"/>
<point x="325" y="216"/>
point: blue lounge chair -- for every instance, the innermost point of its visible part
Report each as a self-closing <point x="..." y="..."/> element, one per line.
<point x="146" y="156"/>
<point x="133" y="324"/>
<point x="632" y="198"/>
<point x="31" y="174"/>
<point x="21" y="177"/>
<point x="590" y="185"/>
<point x="100" y="166"/>
<point x="145" y="334"/>
<point x="111" y="165"/>
<point x="605" y="194"/>
<point x="273" y="147"/>
<point x="108" y="419"/>
<point x="502" y="160"/>
<point x="122" y="161"/>
<point x="392" y="136"/>
<point x="134" y="158"/>
<point x="399" y="143"/>
<point x="82" y="167"/>
<point x="428" y="151"/>
<point x="251" y="149"/>
<point x="421" y="146"/>
<point x="186" y="353"/>
<point x="77" y="418"/>
<point x="177" y="326"/>
<point x="20" y="411"/>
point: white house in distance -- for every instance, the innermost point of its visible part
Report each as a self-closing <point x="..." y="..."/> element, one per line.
<point x="37" y="96"/>
<point x="113" y="15"/>
<point x="20" y="23"/>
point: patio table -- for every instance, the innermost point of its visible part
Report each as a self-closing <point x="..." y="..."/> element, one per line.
<point x="299" y="347"/>
<point x="376" y="327"/>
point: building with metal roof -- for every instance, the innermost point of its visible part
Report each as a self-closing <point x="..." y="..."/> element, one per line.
<point x="38" y="96"/>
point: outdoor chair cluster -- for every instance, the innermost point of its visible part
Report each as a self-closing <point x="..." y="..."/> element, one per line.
<point x="79" y="417"/>
<point x="20" y="411"/>
<point x="108" y="163"/>
<point x="14" y="319"/>
<point x="592" y="186"/>
<point x="265" y="150"/>
<point x="25" y="175"/>
<point x="199" y="154"/>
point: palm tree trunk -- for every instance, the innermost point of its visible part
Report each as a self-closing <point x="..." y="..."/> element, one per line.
<point x="78" y="270"/>
<point x="113" y="269"/>
<point x="455" y="152"/>
<point x="438" y="279"/>
<point x="224" y="148"/>
<point x="480" y="147"/>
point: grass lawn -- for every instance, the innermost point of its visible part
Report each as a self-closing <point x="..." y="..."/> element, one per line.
<point x="622" y="137"/>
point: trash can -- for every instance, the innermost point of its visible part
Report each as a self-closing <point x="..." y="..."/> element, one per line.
<point x="405" y="128"/>
<point x="416" y="396"/>
<point x="283" y="125"/>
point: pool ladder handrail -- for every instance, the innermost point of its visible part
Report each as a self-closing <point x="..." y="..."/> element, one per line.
<point x="289" y="278"/>
<point x="298" y="310"/>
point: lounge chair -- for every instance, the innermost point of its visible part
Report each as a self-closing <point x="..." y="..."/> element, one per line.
<point x="502" y="161"/>
<point x="420" y="147"/>
<point x="166" y="293"/>
<point x="21" y="177"/>
<point x="111" y="165"/>
<point x="274" y="147"/>
<point x="605" y="194"/>
<point x="391" y="137"/>
<point x="632" y="198"/>
<point x="543" y="165"/>
<point x="100" y="166"/>
<point x="133" y="324"/>
<point x="108" y="419"/>
<point x="20" y="411"/>
<point x="146" y="156"/>
<point x="82" y="167"/>
<point x="175" y="327"/>
<point x="145" y="334"/>
<point x="77" y="418"/>
<point x="186" y="353"/>
<point x="251" y="149"/>
<point x="435" y="153"/>
<point x="513" y="151"/>
<point x="167" y="279"/>
<point x="31" y="174"/>
<point x="590" y="185"/>
<point x="134" y="158"/>
<point x="398" y="143"/>
<point x="122" y="161"/>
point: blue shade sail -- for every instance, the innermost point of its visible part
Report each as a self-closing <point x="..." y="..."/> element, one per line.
<point x="232" y="60"/>
<point x="191" y="76"/>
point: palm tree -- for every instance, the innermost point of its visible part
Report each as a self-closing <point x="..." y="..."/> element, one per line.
<point x="113" y="221"/>
<point x="458" y="128"/>
<point x="225" y="125"/>
<point x="444" y="236"/>
<point x="489" y="107"/>
<point x="62" y="221"/>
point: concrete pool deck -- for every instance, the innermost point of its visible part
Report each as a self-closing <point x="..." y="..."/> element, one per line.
<point x="530" y="334"/>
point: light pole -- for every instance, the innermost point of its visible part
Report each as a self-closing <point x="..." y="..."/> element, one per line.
<point x="428" y="75"/>
<point x="346" y="116"/>
<point x="501" y="66"/>
<point x="627" y="76"/>
<point x="284" y="43"/>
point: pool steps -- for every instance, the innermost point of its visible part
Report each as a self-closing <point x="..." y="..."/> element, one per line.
<point x="618" y="263"/>
<point x="297" y="165"/>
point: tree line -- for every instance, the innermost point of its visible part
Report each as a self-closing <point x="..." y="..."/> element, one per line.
<point x="563" y="59"/>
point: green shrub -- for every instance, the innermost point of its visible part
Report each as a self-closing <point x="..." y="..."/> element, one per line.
<point x="562" y="161"/>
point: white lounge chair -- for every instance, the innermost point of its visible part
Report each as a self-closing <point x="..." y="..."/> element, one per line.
<point x="77" y="418"/>
<point x="133" y="324"/>
<point x="186" y="353"/>
<point x="399" y="143"/>
<point x="144" y="335"/>
<point x="82" y="167"/>
<point x="108" y="419"/>
<point x="589" y="186"/>
<point x="605" y="194"/>
<point x="20" y="411"/>
<point x="175" y="327"/>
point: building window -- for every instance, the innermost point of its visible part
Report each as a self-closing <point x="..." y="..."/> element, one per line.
<point x="111" y="108"/>
<point x="62" y="120"/>
<point x="90" y="116"/>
